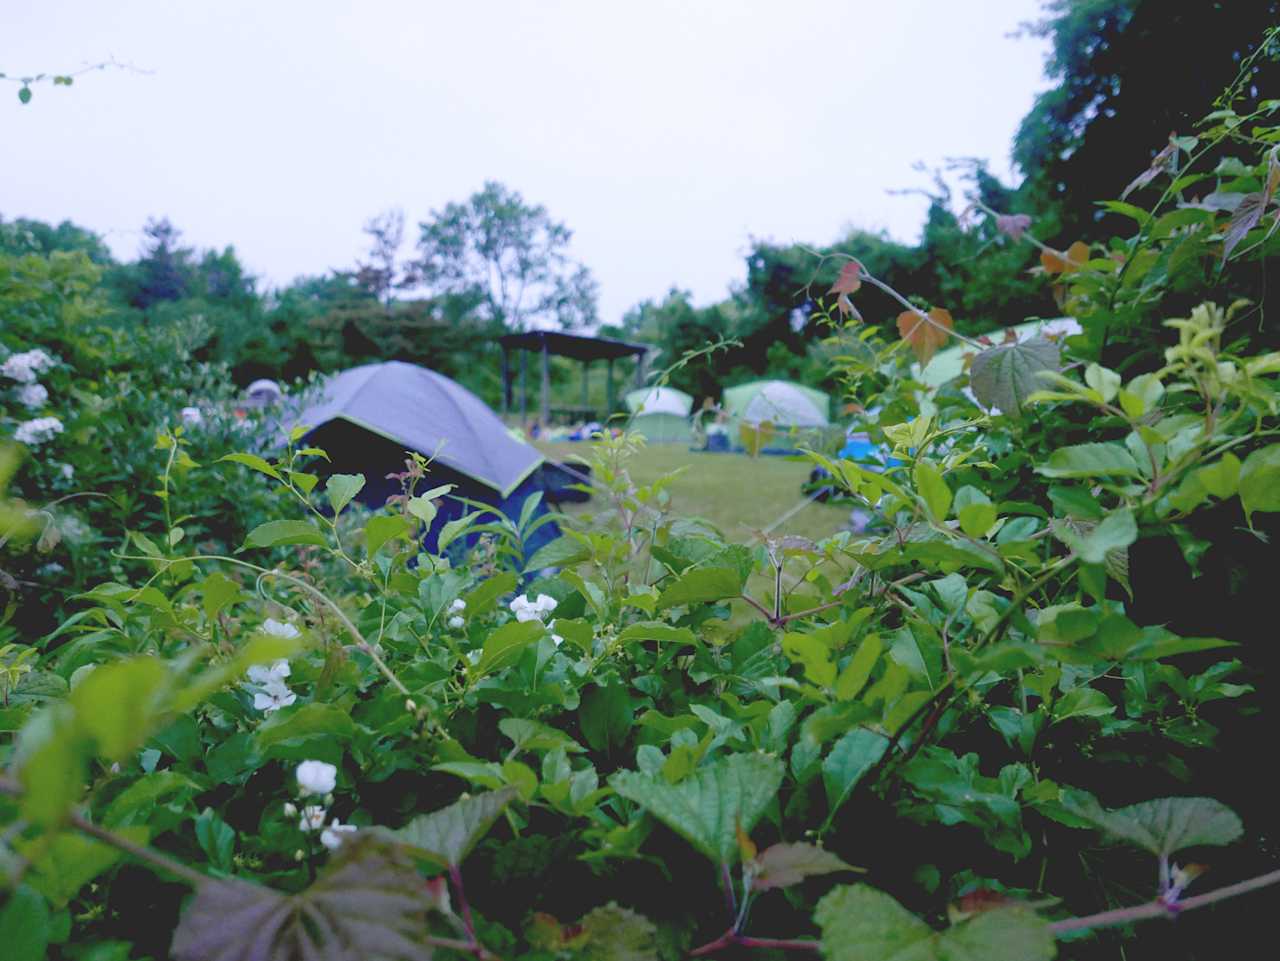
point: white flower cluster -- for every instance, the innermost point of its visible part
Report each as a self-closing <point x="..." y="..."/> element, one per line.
<point x="24" y="367"/>
<point x="270" y="690"/>
<point x="319" y="778"/>
<point x="33" y="395"/>
<point x="456" y="609"/>
<point x="37" y="431"/>
<point x="535" y="610"/>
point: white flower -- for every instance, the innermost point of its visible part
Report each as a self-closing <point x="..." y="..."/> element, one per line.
<point x="456" y="622"/>
<point x="25" y="366"/>
<point x="474" y="656"/>
<point x="458" y="605"/>
<point x="278" y="628"/>
<point x="290" y="809"/>
<point x="527" y="610"/>
<point x="316" y="777"/>
<point x="312" y="815"/>
<point x="37" y="431"/>
<point x="67" y="471"/>
<point x="192" y="417"/>
<point x="272" y="697"/>
<point x="33" y="395"/>
<point x="331" y="837"/>
<point x="275" y="674"/>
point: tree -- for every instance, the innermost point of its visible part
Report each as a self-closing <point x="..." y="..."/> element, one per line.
<point x="1127" y="73"/>
<point x="510" y="256"/>
<point x="164" y="271"/>
<point x="378" y="274"/>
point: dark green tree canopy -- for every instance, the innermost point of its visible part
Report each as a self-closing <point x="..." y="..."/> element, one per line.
<point x="511" y="255"/>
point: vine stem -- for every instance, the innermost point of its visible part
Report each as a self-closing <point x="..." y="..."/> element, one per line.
<point x="730" y="938"/>
<point x="148" y="855"/>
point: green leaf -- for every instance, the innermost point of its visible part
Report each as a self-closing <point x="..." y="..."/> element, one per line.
<point x="1004" y="377"/>
<point x="813" y="654"/>
<point x="976" y="519"/>
<point x="711" y="804"/>
<point x="254" y="462"/>
<point x="1105" y="381"/>
<point x="341" y="489"/>
<point x="851" y="757"/>
<point x="503" y="647"/>
<point x="658" y="631"/>
<point x="24" y="925"/>
<point x="606" y="715"/>
<point x="854" y="677"/>
<point x="700" y="585"/>
<point x="933" y="488"/>
<point x="309" y="720"/>
<point x="1114" y="532"/>
<point x="1163" y="826"/>
<point x="51" y="755"/>
<point x="279" y="533"/>
<point x="217" y="592"/>
<point x="24" y="94"/>
<point x="1090" y="460"/>
<point x="117" y="702"/>
<point x="1075" y="502"/>
<point x="370" y="902"/>
<point x="487" y="592"/>
<point x="564" y="551"/>
<point x="1260" y="481"/>
<point x="71" y="860"/>
<point x="782" y="865"/>
<point x="862" y="924"/>
<point x="1222" y="479"/>
<point x="454" y="529"/>
<point x="448" y="835"/>
<point x="382" y="528"/>
<point x="535" y="736"/>
<point x="1082" y="702"/>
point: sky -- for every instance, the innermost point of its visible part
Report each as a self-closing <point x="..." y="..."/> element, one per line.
<point x="666" y="135"/>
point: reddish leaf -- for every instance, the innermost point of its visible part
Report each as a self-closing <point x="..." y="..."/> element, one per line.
<point x="1247" y="216"/>
<point x="925" y="334"/>
<point x="1013" y="225"/>
<point x="1058" y="262"/>
<point x="850" y="279"/>
<point x="1161" y="162"/>
<point x="846" y="308"/>
<point x="783" y="865"/>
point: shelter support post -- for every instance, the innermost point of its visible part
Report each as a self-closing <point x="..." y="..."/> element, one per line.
<point x="640" y="369"/>
<point x="524" y="387"/>
<point x="506" y="382"/>
<point x="546" y="386"/>
<point x="586" y="372"/>
<point x="608" y="391"/>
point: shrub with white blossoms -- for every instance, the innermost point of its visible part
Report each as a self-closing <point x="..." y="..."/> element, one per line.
<point x="37" y="431"/>
<point x="26" y="366"/>
<point x="316" y="777"/>
<point x="319" y="778"/>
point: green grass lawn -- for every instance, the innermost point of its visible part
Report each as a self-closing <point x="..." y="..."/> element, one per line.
<point x="734" y="492"/>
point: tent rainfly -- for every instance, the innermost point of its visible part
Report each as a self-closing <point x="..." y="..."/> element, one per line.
<point x="660" y="414"/>
<point x="368" y="416"/>
<point x="780" y="402"/>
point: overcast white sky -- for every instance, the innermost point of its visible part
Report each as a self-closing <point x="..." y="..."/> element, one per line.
<point x="665" y="134"/>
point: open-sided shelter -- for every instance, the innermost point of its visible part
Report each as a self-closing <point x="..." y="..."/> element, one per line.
<point x="367" y="417"/>
<point x="660" y="414"/>
<point x="575" y="346"/>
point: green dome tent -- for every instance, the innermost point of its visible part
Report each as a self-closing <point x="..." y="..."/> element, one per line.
<point x="780" y="402"/>
<point x="661" y="414"/>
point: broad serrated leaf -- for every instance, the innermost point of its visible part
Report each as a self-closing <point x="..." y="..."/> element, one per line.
<point x="1093" y="543"/>
<point x="850" y="759"/>
<point x="382" y="528"/>
<point x="709" y="805"/>
<point x="1005" y="376"/>
<point x="1163" y="826"/>
<point x="370" y="903"/>
<point x="783" y="865"/>
<point x="448" y="835"/>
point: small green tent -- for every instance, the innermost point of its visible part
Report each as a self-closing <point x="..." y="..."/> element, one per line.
<point x="660" y="414"/>
<point x="780" y="402"/>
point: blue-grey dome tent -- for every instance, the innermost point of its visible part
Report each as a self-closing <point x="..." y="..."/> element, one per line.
<point x="366" y="418"/>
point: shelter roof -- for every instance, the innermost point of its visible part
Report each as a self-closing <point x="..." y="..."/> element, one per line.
<point x="577" y="346"/>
